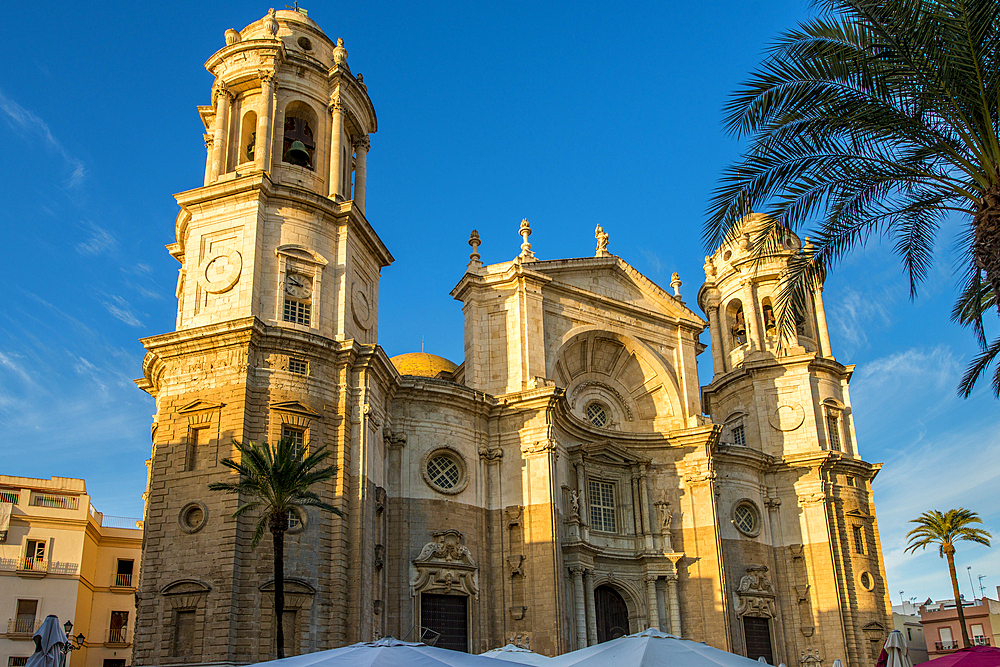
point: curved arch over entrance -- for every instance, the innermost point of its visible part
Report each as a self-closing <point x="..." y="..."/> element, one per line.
<point x="612" y="614"/>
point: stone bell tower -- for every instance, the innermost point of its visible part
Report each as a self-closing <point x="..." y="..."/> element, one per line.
<point x="277" y="324"/>
<point x="788" y="435"/>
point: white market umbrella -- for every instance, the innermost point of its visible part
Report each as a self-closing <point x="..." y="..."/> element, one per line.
<point x="512" y="653"/>
<point x="49" y="640"/>
<point x="386" y="652"/>
<point x="895" y="648"/>
<point x="651" y="648"/>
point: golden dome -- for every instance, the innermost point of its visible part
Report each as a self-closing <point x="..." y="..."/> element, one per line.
<point x="425" y="365"/>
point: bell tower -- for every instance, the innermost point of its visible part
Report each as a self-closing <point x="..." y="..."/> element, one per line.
<point x="788" y="436"/>
<point x="276" y="337"/>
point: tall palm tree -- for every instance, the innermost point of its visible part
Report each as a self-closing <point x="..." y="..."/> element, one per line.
<point x="877" y="118"/>
<point x="944" y="530"/>
<point x="273" y="481"/>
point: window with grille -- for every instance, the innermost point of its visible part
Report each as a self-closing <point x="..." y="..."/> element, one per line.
<point x="444" y="472"/>
<point x="757" y="632"/>
<point x="739" y="435"/>
<point x="597" y="415"/>
<point x="17" y="661"/>
<point x="859" y="540"/>
<point x="296" y="311"/>
<point x="602" y="506"/>
<point x="833" y="425"/>
<point x="294" y="522"/>
<point x="296" y="435"/>
<point x="298" y="366"/>
<point x="118" y="632"/>
<point x="746" y="519"/>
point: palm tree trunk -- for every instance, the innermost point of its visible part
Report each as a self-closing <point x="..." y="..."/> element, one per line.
<point x="279" y="588"/>
<point x="986" y="247"/>
<point x="958" y="598"/>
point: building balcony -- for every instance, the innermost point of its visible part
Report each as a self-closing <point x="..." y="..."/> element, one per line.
<point x="117" y="637"/>
<point x="32" y="566"/>
<point x="980" y="641"/>
<point x="55" y="502"/>
<point x="22" y="628"/>
<point x="123" y="581"/>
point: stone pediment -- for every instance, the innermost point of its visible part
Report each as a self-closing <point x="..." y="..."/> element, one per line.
<point x="292" y="585"/>
<point x="445" y="565"/>
<point x="199" y="406"/>
<point x="857" y="514"/>
<point x="606" y="452"/>
<point x="295" y="407"/>
<point x="185" y="587"/>
<point x="615" y="279"/>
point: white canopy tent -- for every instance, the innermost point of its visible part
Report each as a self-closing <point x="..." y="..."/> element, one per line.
<point x="386" y="652"/>
<point x="651" y="648"/>
<point x="512" y="653"/>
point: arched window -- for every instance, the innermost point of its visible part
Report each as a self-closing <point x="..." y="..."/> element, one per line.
<point x="737" y="322"/>
<point x="248" y="137"/>
<point x="299" y="145"/>
<point x="770" y="327"/>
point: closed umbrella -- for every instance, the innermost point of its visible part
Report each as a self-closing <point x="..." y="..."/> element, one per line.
<point x="49" y="641"/>
<point x="651" y="648"/>
<point x="895" y="649"/>
<point x="512" y="653"/>
<point x="387" y="652"/>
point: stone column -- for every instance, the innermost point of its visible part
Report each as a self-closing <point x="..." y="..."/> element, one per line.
<point x="221" y="131"/>
<point x="361" y="146"/>
<point x="823" y="333"/>
<point x="337" y="111"/>
<point x="264" y="138"/>
<point x="715" y="332"/>
<point x="749" y="318"/>
<point x="581" y="610"/>
<point x="644" y="508"/>
<point x="758" y="319"/>
<point x="653" y="609"/>
<point x="674" y="604"/>
<point x="588" y="583"/>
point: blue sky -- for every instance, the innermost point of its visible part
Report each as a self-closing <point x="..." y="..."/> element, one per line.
<point x="568" y="114"/>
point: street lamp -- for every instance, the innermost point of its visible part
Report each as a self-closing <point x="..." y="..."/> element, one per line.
<point x="75" y="643"/>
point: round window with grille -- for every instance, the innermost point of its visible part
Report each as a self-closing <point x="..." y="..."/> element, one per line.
<point x="444" y="471"/>
<point x="597" y="414"/>
<point x="746" y="518"/>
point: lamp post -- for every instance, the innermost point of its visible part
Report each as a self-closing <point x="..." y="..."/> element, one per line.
<point x="75" y="643"/>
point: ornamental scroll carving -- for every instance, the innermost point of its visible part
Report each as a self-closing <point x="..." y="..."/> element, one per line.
<point x="755" y="593"/>
<point x="445" y="566"/>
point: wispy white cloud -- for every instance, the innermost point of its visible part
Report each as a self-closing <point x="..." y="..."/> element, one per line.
<point x="858" y="315"/>
<point x="122" y="310"/>
<point x="653" y="260"/>
<point x="27" y="123"/>
<point x="101" y="240"/>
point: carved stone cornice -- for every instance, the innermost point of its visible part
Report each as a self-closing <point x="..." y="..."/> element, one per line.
<point x="490" y="453"/>
<point x="755" y="593"/>
<point x="541" y="447"/>
<point x="445" y="565"/>
<point x="265" y="76"/>
<point x="362" y="142"/>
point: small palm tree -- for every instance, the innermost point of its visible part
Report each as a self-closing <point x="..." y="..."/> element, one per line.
<point x="876" y="119"/>
<point x="944" y="530"/>
<point x="273" y="482"/>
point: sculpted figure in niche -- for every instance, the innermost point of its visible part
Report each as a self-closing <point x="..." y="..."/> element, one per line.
<point x="574" y="503"/>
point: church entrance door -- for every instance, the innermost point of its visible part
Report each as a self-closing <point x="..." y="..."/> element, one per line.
<point x="612" y="614"/>
<point x="757" y="632"/>
<point x="448" y="615"/>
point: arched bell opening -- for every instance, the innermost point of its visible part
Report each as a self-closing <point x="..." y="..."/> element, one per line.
<point x="299" y="143"/>
<point x="736" y="323"/>
<point x="248" y="137"/>
<point x="767" y="313"/>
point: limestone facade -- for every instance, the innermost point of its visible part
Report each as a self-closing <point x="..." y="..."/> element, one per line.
<point x="567" y="482"/>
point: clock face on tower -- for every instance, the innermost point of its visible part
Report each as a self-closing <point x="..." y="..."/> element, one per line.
<point x="297" y="286"/>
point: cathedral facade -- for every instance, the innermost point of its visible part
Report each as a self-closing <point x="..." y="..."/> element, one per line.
<point x="568" y="482"/>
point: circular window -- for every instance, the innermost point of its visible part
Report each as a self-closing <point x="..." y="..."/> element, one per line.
<point x="192" y="517"/>
<point x="597" y="415"/>
<point x="746" y="518"/>
<point x="305" y="44"/>
<point x="867" y="581"/>
<point x="444" y="471"/>
<point x="296" y="520"/>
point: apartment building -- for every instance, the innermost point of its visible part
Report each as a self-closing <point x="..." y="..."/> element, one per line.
<point x="59" y="555"/>
<point x="943" y="631"/>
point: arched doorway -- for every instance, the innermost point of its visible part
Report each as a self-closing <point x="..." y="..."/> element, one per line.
<point x="612" y="614"/>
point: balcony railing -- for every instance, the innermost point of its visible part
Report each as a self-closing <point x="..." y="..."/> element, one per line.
<point x="980" y="640"/>
<point x="23" y="626"/>
<point x="945" y="646"/>
<point x="123" y="580"/>
<point x="128" y="522"/>
<point x="9" y="497"/>
<point x="33" y="564"/>
<point x="57" y="502"/>
<point x="118" y="636"/>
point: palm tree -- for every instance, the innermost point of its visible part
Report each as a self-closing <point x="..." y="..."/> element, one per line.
<point x="273" y="482"/>
<point x="944" y="530"/>
<point x="878" y="118"/>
